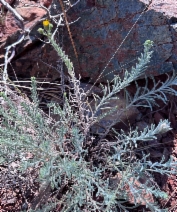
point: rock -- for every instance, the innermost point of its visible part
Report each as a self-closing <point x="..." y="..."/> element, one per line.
<point x="31" y="15"/>
<point x="120" y="118"/>
<point x="141" y="125"/>
<point x="172" y="119"/>
<point x="137" y="184"/>
<point x="91" y="89"/>
<point x="8" y="27"/>
<point x="29" y="58"/>
<point x="158" y="117"/>
<point x="103" y="27"/>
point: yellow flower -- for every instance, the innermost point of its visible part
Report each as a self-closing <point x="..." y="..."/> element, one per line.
<point x="46" y="23"/>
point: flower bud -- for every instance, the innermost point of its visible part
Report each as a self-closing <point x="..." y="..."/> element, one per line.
<point x="41" y="31"/>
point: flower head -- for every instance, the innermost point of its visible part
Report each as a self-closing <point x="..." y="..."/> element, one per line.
<point x="46" y="23"/>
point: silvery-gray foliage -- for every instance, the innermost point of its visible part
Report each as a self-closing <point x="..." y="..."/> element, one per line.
<point x="61" y="150"/>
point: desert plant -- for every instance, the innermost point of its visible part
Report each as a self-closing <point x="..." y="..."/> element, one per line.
<point x="62" y="150"/>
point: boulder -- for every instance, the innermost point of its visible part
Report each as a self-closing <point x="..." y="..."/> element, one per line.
<point x="104" y="27"/>
<point x="122" y="25"/>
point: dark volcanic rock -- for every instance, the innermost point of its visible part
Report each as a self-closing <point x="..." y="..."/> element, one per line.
<point x="106" y="25"/>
